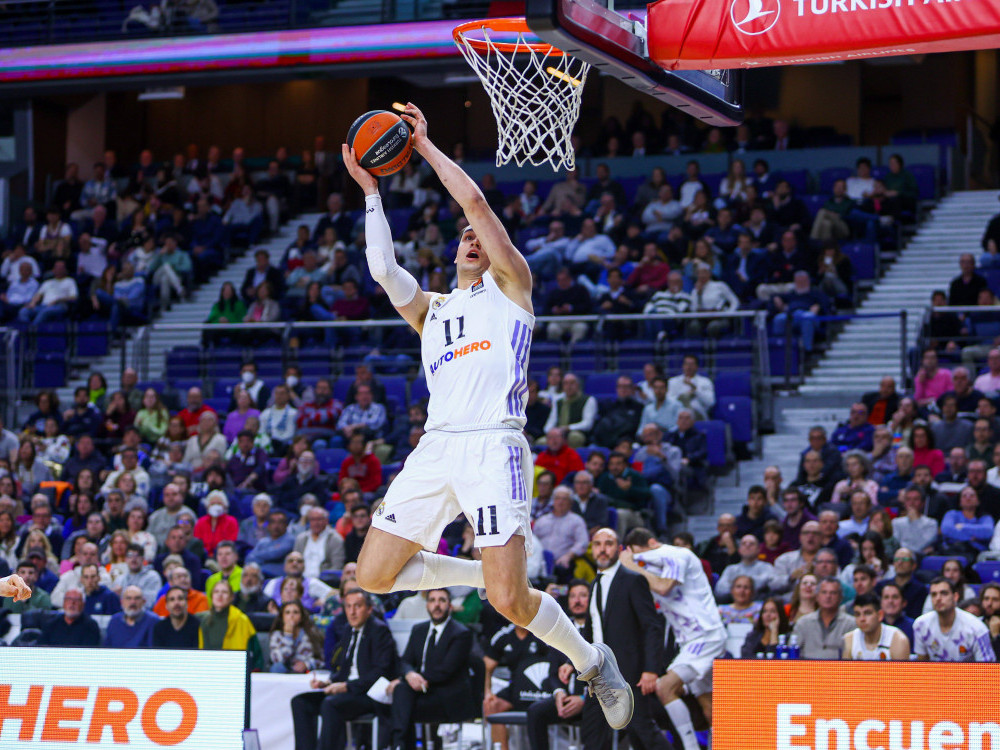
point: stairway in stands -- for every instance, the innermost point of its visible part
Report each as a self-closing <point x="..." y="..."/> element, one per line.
<point x="192" y="311"/>
<point x="865" y="350"/>
<point x="869" y="348"/>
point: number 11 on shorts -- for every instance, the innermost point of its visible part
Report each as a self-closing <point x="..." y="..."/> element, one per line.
<point x="481" y="526"/>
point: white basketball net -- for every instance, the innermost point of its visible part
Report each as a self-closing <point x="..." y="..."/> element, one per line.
<point x="535" y="97"/>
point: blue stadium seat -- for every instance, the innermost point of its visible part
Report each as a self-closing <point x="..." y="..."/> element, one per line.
<point x="714" y="182"/>
<point x="330" y="459"/>
<point x="92" y="338"/>
<point x="395" y="389"/>
<point x="51" y="337"/>
<point x="732" y="384"/>
<point x="798" y="179"/>
<point x="50" y="370"/>
<point x="737" y="412"/>
<point x="613" y="517"/>
<point x="221" y="406"/>
<point x="814" y="203"/>
<point x="992" y="278"/>
<point x="863" y="257"/>
<point x="926" y="177"/>
<point x="934" y="563"/>
<point x="418" y="390"/>
<point x="988" y="570"/>
<point x="601" y="385"/>
<point x="715" y="434"/>
<point x="340" y="387"/>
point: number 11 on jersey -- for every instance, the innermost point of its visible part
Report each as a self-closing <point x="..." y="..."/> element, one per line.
<point x="447" y="330"/>
<point x="481" y="526"/>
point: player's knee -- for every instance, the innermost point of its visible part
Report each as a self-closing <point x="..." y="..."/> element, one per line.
<point x="512" y="604"/>
<point x="372" y="580"/>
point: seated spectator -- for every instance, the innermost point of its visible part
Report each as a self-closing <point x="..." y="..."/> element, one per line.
<point x="883" y="403"/>
<point x="295" y="644"/>
<point x="251" y="384"/>
<point x="925" y="454"/>
<point x="627" y="489"/>
<point x="773" y="545"/>
<point x="820" y="634"/>
<point x="177" y="545"/>
<point x="968" y="397"/>
<point x="966" y="530"/>
<point x="831" y="222"/>
<point x="130" y="466"/>
<point x="178" y="629"/>
<point x="694" y="391"/>
<point x="19" y="292"/>
<point x="180" y="577"/>
<point x="270" y="551"/>
<point x="250" y="598"/>
<point x="42" y="521"/>
<point x="969" y="639"/>
<point x="247" y="467"/>
<point x="216" y="525"/>
<point x="770" y="625"/>
<point x="861" y="509"/>
<point x="318" y="418"/>
<point x="814" y="484"/>
<point x="660" y="409"/>
<point x="829" y="525"/>
<point x="873" y="640"/>
<point x="165" y="518"/>
<point x="980" y="448"/>
<point x="364" y="415"/>
<point x="169" y="270"/>
<point x="207" y="439"/>
<point x="588" y="503"/>
<point x="710" y="296"/>
<point x="195" y="407"/>
<point x="721" y="550"/>
<point x="743" y="610"/>
<point x="133" y="626"/>
<point x="98" y="598"/>
<point x="662" y="462"/>
<point x="791" y="566"/>
<point x="619" y="419"/>
<point x="989" y="496"/>
<point x="856" y="432"/>
<point x="361" y="465"/>
<point x="369" y="655"/>
<point x="858" y="469"/>
<point x="253" y="528"/>
<point x="755" y="513"/>
<point x="361" y="517"/>
<point x="84" y="417"/>
<point x="53" y="299"/>
<point x="950" y="431"/>
<point x="321" y="547"/>
<point x="694" y="448"/>
<point x="567" y="299"/>
<point x="536" y="413"/>
<point x="573" y="412"/>
<point x="137" y="574"/>
<point x="278" y="421"/>
<point x="749" y="565"/>
<point x="312" y="592"/>
<point x="670" y="301"/>
<point x="88" y="555"/>
<point x="224" y="627"/>
<point x="832" y="459"/>
<point x="563" y="533"/>
<point x="74" y="628"/>
<point x="558" y="457"/>
<point x="541" y="503"/>
<point x="804" y="304"/>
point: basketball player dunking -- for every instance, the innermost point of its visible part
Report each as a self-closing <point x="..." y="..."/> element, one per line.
<point x="474" y="346"/>
<point x="15" y="586"/>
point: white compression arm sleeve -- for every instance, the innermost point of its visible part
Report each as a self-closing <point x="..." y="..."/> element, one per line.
<point x="399" y="285"/>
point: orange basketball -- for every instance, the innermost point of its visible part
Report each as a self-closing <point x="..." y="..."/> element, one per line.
<point x="381" y="141"/>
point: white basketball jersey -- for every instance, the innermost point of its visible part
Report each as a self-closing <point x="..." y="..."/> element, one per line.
<point x="860" y="650"/>
<point x="474" y="348"/>
<point x="967" y="640"/>
<point x="689" y="607"/>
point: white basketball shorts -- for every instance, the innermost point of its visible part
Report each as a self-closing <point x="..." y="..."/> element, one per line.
<point x="480" y="474"/>
<point x="694" y="662"/>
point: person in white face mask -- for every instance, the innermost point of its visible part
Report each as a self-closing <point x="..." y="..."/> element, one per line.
<point x="298" y="392"/>
<point x="255" y="387"/>
<point x="217" y="525"/>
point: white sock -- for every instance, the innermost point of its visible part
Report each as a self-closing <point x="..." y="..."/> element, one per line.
<point x="427" y="570"/>
<point x="554" y="628"/>
<point x="681" y="718"/>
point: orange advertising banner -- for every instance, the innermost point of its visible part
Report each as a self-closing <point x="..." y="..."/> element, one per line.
<point x="855" y="705"/>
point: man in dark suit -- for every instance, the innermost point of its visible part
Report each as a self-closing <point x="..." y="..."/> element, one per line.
<point x="435" y="673"/>
<point x="625" y="618"/>
<point x="261" y="272"/>
<point x="369" y="653"/>
<point x="883" y="403"/>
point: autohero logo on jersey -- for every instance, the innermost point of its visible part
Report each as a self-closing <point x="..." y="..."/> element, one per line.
<point x="462" y="351"/>
<point x="65" y="697"/>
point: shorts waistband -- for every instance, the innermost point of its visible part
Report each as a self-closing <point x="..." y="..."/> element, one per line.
<point x="488" y="427"/>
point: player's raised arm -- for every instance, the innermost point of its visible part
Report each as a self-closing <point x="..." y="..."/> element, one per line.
<point x="401" y="288"/>
<point x="506" y="263"/>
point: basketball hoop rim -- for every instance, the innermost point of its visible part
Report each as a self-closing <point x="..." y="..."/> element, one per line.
<point x="518" y="25"/>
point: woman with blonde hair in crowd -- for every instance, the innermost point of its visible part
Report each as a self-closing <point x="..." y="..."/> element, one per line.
<point x="803" y="598"/>
<point x="37" y="538"/>
<point x="136" y="529"/>
<point x="113" y="557"/>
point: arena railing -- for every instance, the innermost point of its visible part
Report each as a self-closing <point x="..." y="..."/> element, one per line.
<point x="923" y="339"/>
<point x="605" y="349"/>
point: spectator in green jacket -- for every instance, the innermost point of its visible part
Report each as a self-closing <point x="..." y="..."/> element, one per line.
<point x="229" y="308"/>
<point x="627" y="490"/>
<point x="900" y="183"/>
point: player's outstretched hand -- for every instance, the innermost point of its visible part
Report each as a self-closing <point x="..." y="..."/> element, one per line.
<point x="418" y="122"/>
<point x="15" y="586"/>
<point x="362" y="176"/>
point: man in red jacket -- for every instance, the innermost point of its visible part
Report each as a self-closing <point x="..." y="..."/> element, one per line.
<point x="364" y="467"/>
<point x="558" y="457"/>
